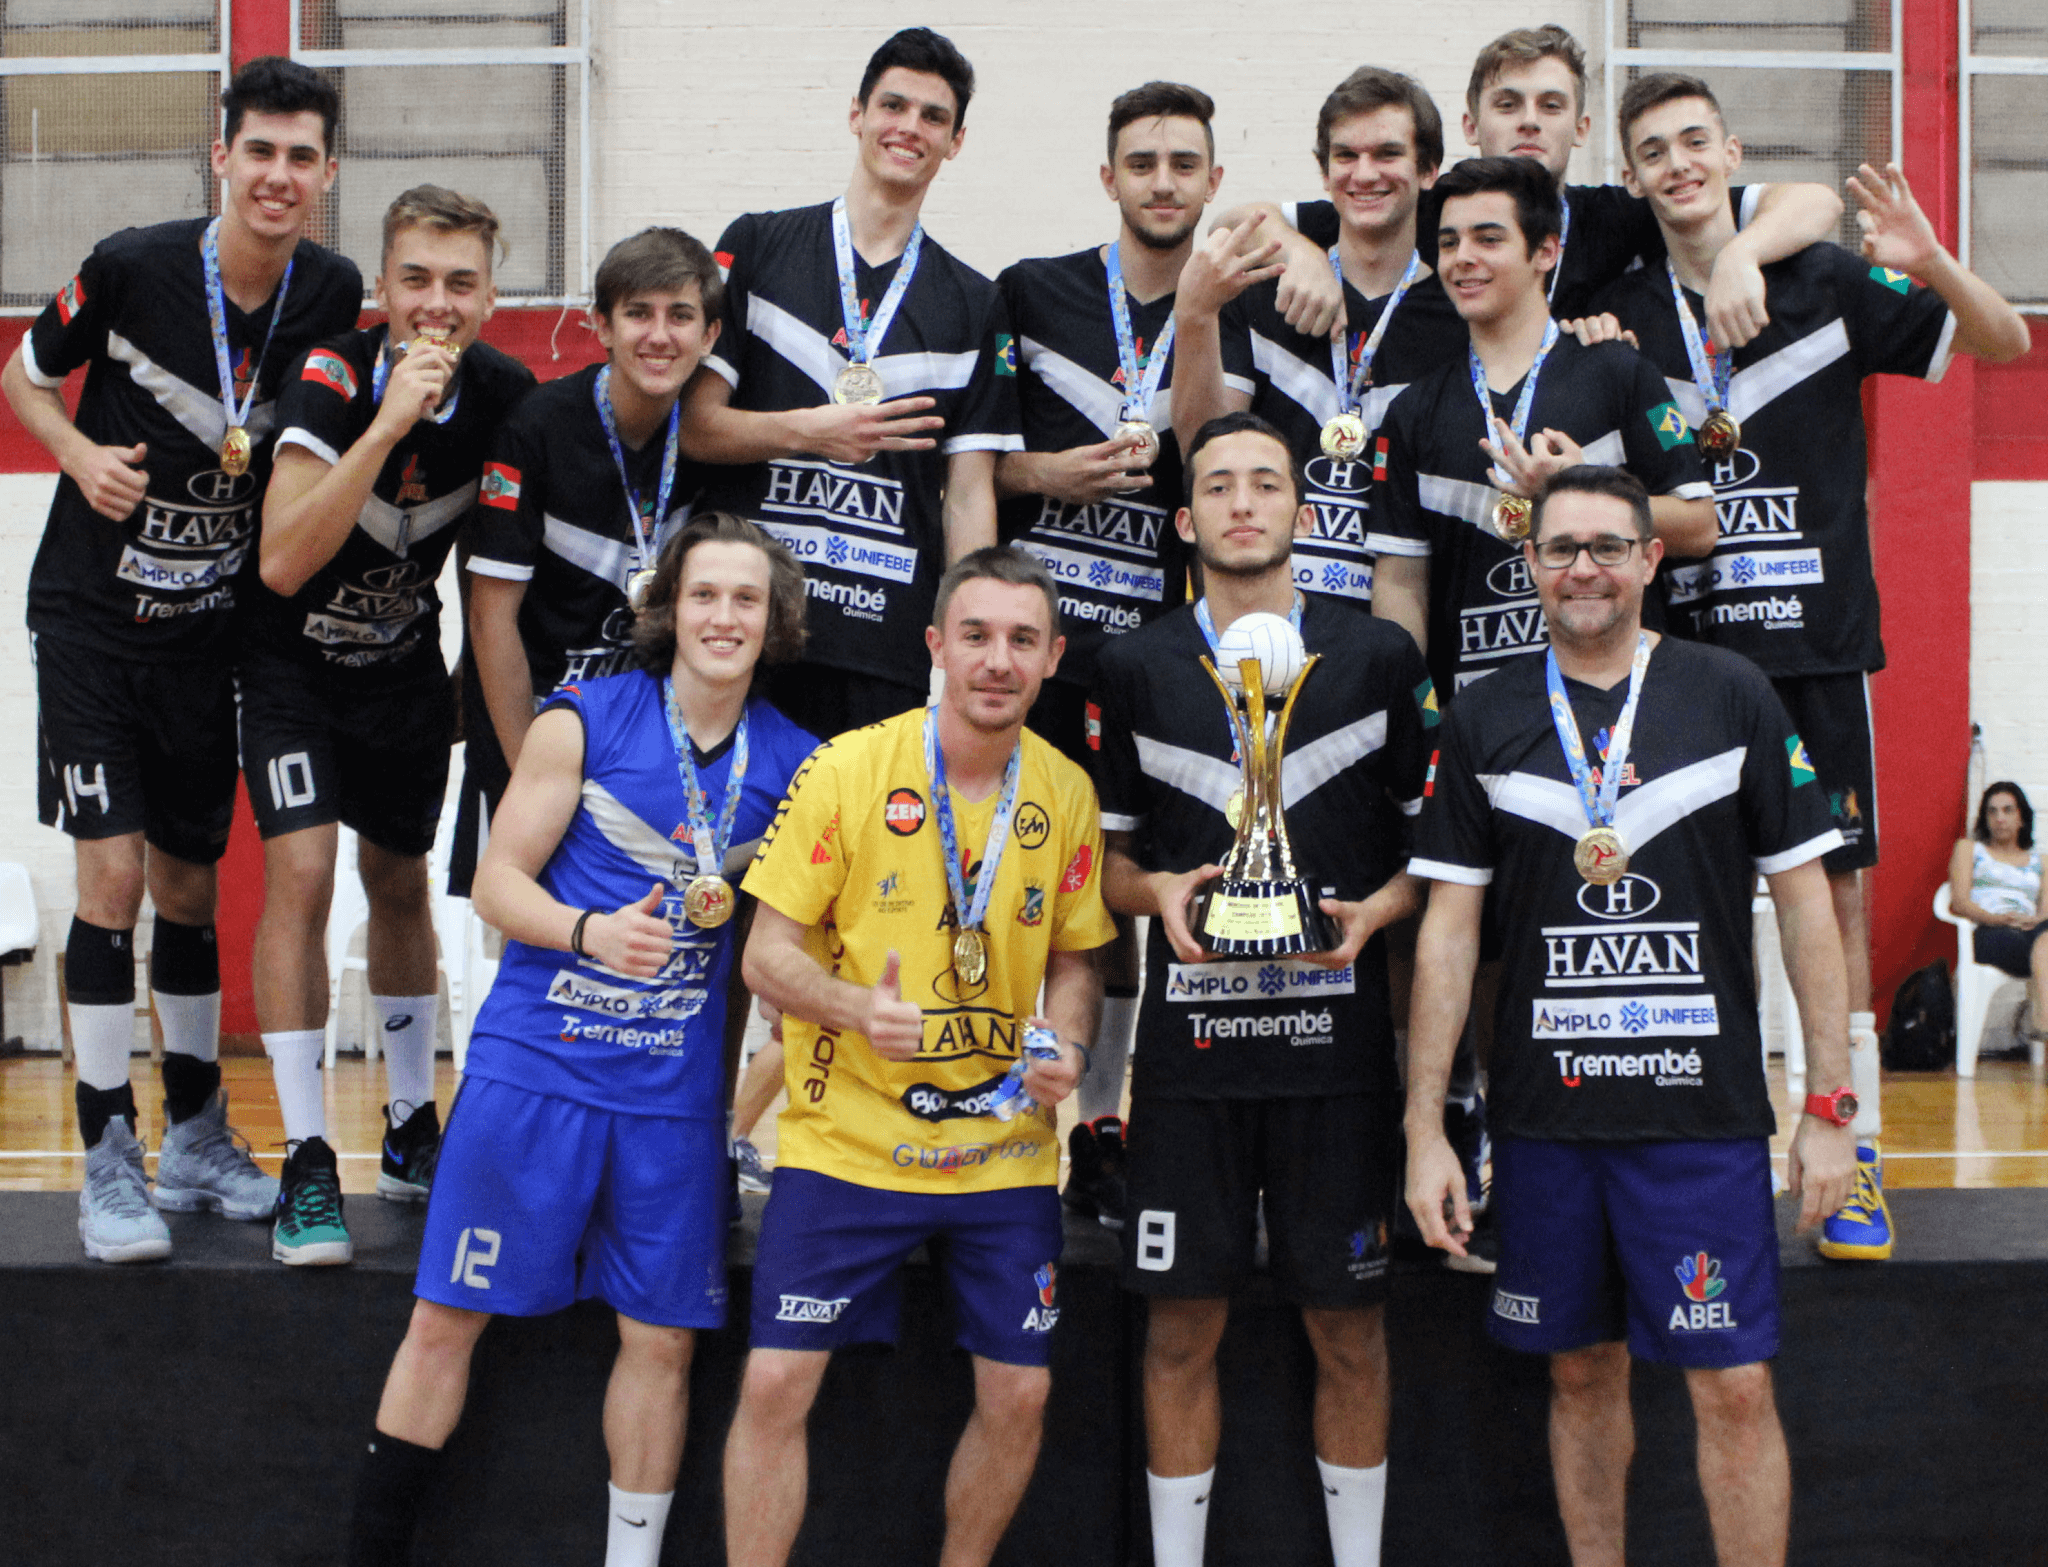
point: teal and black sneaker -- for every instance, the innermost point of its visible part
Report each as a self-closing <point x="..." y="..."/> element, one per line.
<point x="1861" y="1229"/>
<point x="412" y="1147"/>
<point x="309" y="1230"/>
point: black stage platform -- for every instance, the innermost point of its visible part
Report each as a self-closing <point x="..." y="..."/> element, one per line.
<point x="209" y="1410"/>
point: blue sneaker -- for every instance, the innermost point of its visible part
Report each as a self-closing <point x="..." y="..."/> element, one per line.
<point x="309" y="1227"/>
<point x="1861" y="1229"/>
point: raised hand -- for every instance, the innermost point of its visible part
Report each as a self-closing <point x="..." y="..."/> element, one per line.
<point x="1225" y="264"/>
<point x="895" y="1027"/>
<point x="854" y="432"/>
<point x="1896" y="233"/>
<point x="633" y="940"/>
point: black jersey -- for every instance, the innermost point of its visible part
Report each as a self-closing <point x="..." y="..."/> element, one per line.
<point x="1119" y="562"/>
<point x="871" y="536"/>
<point x="1432" y="496"/>
<point x="1790" y="584"/>
<point x="1294" y="390"/>
<point x="1629" y="1011"/>
<point x="1611" y="232"/>
<point x="1166" y="766"/>
<point x="551" y="513"/>
<point x="374" y="605"/>
<point x="164" y="583"/>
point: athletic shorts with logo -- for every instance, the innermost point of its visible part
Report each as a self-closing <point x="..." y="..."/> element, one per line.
<point x="1196" y="1168"/>
<point x="370" y="754"/>
<point x="539" y="1202"/>
<point x="131" y="745"/>
<point x="1670" y="1245"/>
<point x="829" y="1270"/>
<point x="1831" y="714"/>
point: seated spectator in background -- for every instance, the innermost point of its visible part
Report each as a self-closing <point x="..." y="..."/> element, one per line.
<point x="1994" y="878"/>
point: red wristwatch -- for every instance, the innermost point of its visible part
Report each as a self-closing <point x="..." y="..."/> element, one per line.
<point x="1837" y="1108"/>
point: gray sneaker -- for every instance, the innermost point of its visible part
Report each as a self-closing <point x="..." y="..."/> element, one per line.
<point x="203" y="1163"/>
<point x="754" y="1176"/>
<point x="115" y="1219"/>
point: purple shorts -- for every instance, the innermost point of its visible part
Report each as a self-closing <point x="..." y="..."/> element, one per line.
<point x="829" y="1268"/>
<point x="1669" y="1244"/>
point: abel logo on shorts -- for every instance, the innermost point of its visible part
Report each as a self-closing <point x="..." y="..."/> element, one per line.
<point x="1702" y="1310"/>
<point x="1255" y="981"/>
<point x="808" y="1308"/>
<point x="1041" y="1317"/>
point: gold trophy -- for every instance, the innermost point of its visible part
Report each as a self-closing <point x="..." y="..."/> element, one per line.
<point x="1261" y="906"/>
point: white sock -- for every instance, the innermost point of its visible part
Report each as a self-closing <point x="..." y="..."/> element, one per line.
<point x="1102" y="1091"/>
<point x="102" y="1038"/>
<point x="637" y="1521"/>
<point x="408" y="1024"/>
<point x="295" y="1067"/>
<point x="1863" y="1076"/>
<point x="1356" y="1502"/>
<point x="191" y="1023"/>
<point x="1180" y="1517"/>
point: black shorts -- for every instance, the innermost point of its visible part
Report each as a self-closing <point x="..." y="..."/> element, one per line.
<point x="830" y="702"/>
<point x="131" y="746"/>
<point x="1060" y="718"/>
<point x="1831" y="713"/>
<point x="2007" y="948"/>
<point x="485" y="775"/>
<point x="371" y="755"/>
<point x="1196" y="1169"/>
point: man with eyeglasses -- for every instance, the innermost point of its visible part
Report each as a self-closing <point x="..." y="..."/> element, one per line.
<point x="1620" y="794"/>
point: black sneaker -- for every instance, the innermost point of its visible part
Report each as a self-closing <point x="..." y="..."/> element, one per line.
<point x="1095" y="1177"/>
<point x="412" y="1148"/>
<point x="309" y="1228"/>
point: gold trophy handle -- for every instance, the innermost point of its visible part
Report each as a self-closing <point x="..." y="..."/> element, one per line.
<point x="1279" y="745"/>
<point x="1233" y="861"/>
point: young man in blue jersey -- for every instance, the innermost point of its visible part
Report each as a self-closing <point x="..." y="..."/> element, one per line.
<point x="585" y="1156"/>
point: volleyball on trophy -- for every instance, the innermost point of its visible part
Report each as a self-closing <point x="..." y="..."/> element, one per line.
<point x="1269" y="638"/>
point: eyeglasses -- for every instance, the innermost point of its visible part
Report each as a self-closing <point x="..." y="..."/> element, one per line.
<point x="1609" y="549"/>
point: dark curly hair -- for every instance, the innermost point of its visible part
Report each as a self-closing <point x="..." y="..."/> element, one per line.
<point x="654" y="628"/>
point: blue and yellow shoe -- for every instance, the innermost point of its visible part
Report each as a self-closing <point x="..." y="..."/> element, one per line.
<point x="1861" y="1229"/>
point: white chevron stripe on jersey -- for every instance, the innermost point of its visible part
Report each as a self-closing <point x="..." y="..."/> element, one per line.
<point x="1088" y="394"/>
<point x="632" y="837"/>
<point x="809" y="350"/>
<point x="1302" y="384"/>
<point x="199" y="412"/>
<point x="1771" y="377"/>
<point x="384" y="521"/>
<point x="1308" y="768"/>
<point x="608" y="560"/>
<point x="1643" y="813"/>
<point x="1459" y="498"/>
<point x="1608" y="451"/>
<point x="1207" y="778"/>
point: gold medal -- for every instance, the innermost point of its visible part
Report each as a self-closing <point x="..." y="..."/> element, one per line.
<point x="1142" y="439"/>
<point x="1344" y="437"/>
<point x="970" y="956"/>
<point x="1511" y="517"/>
<point x="636" y="588"/>
<point x="1600" y="856"/>
<point x="1720" y="435"/>
<point x="438" y="337"/>
<point x="234" y="452"/>
<point x="708" y="901"/>
<point x="857" y="383"/>
<point x="1233" y="811"/>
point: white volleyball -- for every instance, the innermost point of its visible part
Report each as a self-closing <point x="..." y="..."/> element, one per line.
<point x="1272" y="640"/>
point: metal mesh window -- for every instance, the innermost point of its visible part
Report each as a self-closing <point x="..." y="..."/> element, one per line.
<point x="486" y="96"/>
<point x="109" y="109"/>
<point x="2005" y="167"/>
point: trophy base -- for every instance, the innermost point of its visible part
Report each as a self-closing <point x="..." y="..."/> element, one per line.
<point x="1245" y="917"/>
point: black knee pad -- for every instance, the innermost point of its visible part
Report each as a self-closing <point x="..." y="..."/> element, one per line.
<point x="184" y="960"/>
<point x="99" y="965"/>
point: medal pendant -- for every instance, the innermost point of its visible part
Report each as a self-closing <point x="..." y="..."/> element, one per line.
<point x="437" y="337"/>
<point x="708" y="901"/>
<point x="234" y="452"/>
<point x="1720" y="435"/>
<point x="636" y="588"/>
<point x="970" y="956"/>
<point x="1142" y="439"/>
<point x="1600" y="856"/>
<point x="1233" y="810"/>
<point x="1511" y="518"/>
<point x="857" y="383"/>
<point x="1344" y="438"/>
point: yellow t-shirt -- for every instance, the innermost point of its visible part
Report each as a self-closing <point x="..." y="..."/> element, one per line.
<point x="855" y="854"/>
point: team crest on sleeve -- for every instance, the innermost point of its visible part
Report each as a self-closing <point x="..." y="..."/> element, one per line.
<point x="1670" y="426"/>
<point x="1802" y="765"/>
<point x="329" y="369"/>
<point x="1094" y="726"/>
<point x="70" y="300"/>
<point x="1432" y="715"/>
<point x="1429" y="781"/>
<point x="1897" y="282"/>
<point x="1379" y="459"/>
<point x="1078" y="868"/>
<point x="500" y="487"/>
<point x="1033" y="911"/>
<point x="1006" y="354"/>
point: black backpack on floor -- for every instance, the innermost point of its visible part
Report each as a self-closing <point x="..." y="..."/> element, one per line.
<point x="1921" y="1034"/>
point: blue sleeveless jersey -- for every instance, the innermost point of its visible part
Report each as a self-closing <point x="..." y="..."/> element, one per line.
<point x="567" y="1026"/>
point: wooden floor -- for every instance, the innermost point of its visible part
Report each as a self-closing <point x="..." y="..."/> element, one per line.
<point x="1939" y="1130"/>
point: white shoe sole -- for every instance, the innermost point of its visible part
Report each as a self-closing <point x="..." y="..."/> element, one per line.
<point x="134" y="1251"/>
<point x="392" y="1189"/>
<point x="319" y="1254"/>
<point x="200" y="1200"/>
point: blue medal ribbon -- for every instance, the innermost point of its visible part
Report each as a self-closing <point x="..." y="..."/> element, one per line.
<point x="1142" y="378"/>
<point x="1599" y="801"/>
<point x="709" y="843"/>
<point x="970" y="914"/>
<point x="1352" y="381"/>
<point x="1711" y="373"/>
<point x="217" y="319"/>
<point x="643" y="531"/>
<point x="860" y="332"/>
<point x="1564" y="234"/>
<point x="1523" y="404"/>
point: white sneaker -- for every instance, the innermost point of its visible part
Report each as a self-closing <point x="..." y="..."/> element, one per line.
<point x="115" y="1220"/>
<point x="202" y="1163"/>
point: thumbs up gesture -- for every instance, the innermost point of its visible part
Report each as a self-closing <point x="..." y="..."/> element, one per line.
<point x="633" y="940"/>
<point x="895" y="1027"/>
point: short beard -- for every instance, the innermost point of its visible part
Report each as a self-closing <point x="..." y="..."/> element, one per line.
<point x="1160" y="242"/>
<point x="1210" y="564"/>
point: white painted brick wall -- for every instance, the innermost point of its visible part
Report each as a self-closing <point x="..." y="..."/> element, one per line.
<point x="2008" y="674"/>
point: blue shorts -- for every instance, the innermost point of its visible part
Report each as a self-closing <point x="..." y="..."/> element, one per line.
<point x="1671" y="1245"/>
<point x="828" y="1271"/>
<point x="540" y="1201"/>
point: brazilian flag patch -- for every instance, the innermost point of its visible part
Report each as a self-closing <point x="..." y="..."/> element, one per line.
<point x="1006" y="354"/>
<point x="1425" y="698"/>
<point x="1670" y="426"/>
<point x="1802" y="768"/>
<point x="1897" y="282"/>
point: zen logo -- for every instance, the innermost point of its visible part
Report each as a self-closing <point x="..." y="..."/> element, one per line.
<point x="475" y="1250"/>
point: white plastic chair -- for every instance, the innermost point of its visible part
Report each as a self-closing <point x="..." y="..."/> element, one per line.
<point x="21" y="927"/>
<point x="1777" y="1010"/>
<point x="1976" y="983"/>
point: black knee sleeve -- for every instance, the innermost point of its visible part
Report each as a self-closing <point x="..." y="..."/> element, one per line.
<point x="390" y="1487"/>
<point x="99" y="965"/>
<point x="184" y="960"/>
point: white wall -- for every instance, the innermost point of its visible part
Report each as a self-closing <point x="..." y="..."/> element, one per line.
<point x="2008" y="674"/>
